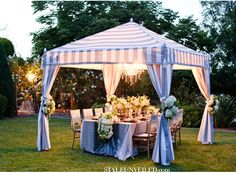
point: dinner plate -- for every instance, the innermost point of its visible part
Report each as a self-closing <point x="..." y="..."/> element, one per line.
<point x="94" y="118"/>
<point x="130" y="120"/>
<point x="144" y="119"/>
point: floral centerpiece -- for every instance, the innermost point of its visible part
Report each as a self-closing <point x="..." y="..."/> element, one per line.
<point x="144" y="102"/>
<point x="212" y="105"/>
<point x="126" y="106"/>
<point x="133" y="102"/>
<point x="120" y="105"/>
<point x="138" y="104"/>
<point x="170" y="107"/>
<point x="48" y="106"/>
<point x="151" y="109"/>
<point x="110" y="100"/>
<point x="105" y="122"/>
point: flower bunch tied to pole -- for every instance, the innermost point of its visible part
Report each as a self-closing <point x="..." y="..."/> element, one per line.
<point x="171" y="108"/>
<point x="212" y="105"/>
<point x="48" y="106"/>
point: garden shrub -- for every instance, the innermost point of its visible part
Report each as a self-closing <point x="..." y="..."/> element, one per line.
<point x="191" y="118"/>
<point x="7" y="46"/>
<point x="3" y="105"/>
<point x="226" y="111"/>
<point x="98" y="105"/>
<point x="7" y="86"/>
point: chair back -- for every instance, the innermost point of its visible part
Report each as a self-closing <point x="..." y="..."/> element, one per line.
<point x="75" y="119"/>
<point x="152" y="127"/>
<point x="180" y="114"/>
<point x="177" y="121"/>
<point x="87" y="113"/>
<point x="98" y="111"/>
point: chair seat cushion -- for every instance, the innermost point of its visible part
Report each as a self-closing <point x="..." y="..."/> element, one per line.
<point x="143" y="135"/>
<point x="77" y="130"/>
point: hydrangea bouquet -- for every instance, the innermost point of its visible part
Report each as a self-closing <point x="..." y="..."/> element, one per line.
<point x="212" y="105"/>
<point x="170" y="107"/>
<point x="105" y="123"/>
<point x="48" y="106"/>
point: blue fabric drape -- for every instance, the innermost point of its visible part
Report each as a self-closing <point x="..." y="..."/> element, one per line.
<point x="161" y="79"/>
<point x="43" y="140"/>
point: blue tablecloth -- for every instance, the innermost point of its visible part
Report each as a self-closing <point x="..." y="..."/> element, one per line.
<point x="119" y="146"/>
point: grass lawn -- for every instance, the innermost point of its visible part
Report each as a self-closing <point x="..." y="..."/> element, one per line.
<point x="18" y="151"/>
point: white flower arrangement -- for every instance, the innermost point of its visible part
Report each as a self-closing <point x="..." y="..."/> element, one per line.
<point x="212" y="105"/>
<point x="133" y="102"/>
<point x="120" y="105"/>
<point x="124" y="105"/>
<point x="111" y="98"/>
<point x="140" y="102"/>
<point x="170" y="107"/>
<point x="144" y="101"/>
<point x="105" y="122"/>
<point x="48" y="106"/>
<point x="152" y="109"/>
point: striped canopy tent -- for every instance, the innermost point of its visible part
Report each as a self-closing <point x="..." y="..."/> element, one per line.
<point x="130" y="45"/>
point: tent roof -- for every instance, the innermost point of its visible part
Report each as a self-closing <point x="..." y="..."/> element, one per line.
<point x="127" y="43"/>
<point x="128" y="35"/>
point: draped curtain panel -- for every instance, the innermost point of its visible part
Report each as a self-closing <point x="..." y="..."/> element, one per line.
<point x="161" y="79"/>
<point x="111" y="75"/>
<point x="206" y="131"/>
<point x="43" y="140"/>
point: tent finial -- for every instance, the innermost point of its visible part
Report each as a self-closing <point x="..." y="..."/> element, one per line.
<point x="131" y="19"/>
<point x="44" y="50"/>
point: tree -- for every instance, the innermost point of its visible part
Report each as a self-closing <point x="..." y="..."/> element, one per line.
<point x="69" y="21"/>
<point x="26" y="89"/>
<point x="188" y="33"/>
<point x="7" y="86"/>
<point x="86" y="87"/>
<point x="220" y="21"/>
<point x="7" y="46"/>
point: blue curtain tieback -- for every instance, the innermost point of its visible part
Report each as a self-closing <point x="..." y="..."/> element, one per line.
<point x="162" y="99"/>
<point x="43" y="98"/>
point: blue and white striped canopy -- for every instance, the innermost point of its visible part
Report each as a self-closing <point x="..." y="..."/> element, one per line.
<point x="125" y="44"/>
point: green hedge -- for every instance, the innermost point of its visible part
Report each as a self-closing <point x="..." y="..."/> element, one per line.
<point x="98" y="105"/>
<point x="192" y="117"/>
<point x="7" y="86"/>
<point x="3" y="105"/>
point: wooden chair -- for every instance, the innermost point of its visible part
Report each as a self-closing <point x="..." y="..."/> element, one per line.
<point x="98" y="111"/>
<point x="87" y="113"/>
<point x="146" y="141"/>
<point x="75" y="124"/>
<point x="175" y="126"/>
